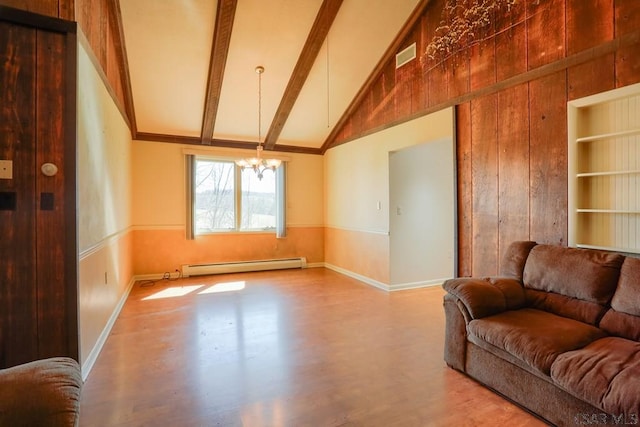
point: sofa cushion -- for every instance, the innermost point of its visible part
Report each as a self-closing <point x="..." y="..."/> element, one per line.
<point x="581" y="275"/>
<point x="514" y="259"/>
<point x="605" y="373"/>
<point x="627" y="296"/>
<point x="623" y="319"/>
<point x="583" y="311"/>
<point x="536" y="337"/>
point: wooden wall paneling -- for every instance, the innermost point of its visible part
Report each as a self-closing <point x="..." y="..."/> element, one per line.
<point x="627" y="20"/>
<point x="513" y="166"/>
<point x="113" y="67"/>
<point x="405" y="77"/>
<point x="438" y="80"/>
<point x="459" y="76"/>
<point x="627" y="65"/>
<point x="464" y="179"/>
<point x="513" y="15"/>
<point x="484" y="185"/>
<point x="548" y="162"/>
<point x="419" y="92"/>
<point x="403" y="98"/>
<point x="589" y="23"/>
<point x="67" y="10"/>
<point x="389" y="93"/>
<point x="546" y="41"/>
<point x="592" y="77"/>
<point x="627" y="17"/>
<point x="53" y="283"/>
<point x="482" y="64"/>
<point x="511" y="52"/>
<point x="18" y="332"/>
<point x="43" y="7"/>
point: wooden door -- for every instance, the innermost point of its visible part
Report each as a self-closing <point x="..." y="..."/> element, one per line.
<point x="38" y="267"/>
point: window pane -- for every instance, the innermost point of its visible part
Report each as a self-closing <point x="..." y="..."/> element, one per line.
<point x="258" y="200"/>
<point x="214" y="208"/>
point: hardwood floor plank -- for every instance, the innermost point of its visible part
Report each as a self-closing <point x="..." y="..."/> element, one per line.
<point x="290" y="348"/>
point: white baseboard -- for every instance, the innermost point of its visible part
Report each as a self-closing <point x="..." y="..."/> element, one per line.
<point x="369" y="281"/>
<point x="87" y="365"/>
<point x="389" y="288"/>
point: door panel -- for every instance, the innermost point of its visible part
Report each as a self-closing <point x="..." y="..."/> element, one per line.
<point x="18" y="285"/>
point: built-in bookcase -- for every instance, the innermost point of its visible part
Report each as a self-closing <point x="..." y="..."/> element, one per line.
<point x="604" y="170"/>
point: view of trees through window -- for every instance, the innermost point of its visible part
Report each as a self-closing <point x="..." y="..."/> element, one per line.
<point x="218" y="199"/>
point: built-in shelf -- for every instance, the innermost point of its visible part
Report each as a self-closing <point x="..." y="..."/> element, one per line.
<point x="611" y="211"/>
<point x="610" y="135"/>
<point x="609" y="173"/>
<point x="604" y="170"/>
<point x="608" y="248"/>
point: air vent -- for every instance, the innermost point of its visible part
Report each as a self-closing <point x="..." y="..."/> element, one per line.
<point x="407" y="55"/>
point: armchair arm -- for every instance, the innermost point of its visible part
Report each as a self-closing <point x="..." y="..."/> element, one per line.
<point x="487" y="296"/>
<point x="45" y="393"/>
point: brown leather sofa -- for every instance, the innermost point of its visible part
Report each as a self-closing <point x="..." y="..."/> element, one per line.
<point x="41" y="393"/>
<point x="557" y="332"/>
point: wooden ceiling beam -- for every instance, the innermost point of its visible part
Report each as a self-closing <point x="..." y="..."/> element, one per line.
<point x="224" y="143"/>
<point x="317" y="35"/>
<point x="368" y="84"/>
<point x="225" y="16"/>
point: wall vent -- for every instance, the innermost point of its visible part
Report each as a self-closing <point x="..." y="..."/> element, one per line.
<point x="406" y="55"/>
<point x="242" y="266"/>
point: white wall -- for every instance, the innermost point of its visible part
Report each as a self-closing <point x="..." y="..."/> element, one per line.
<point x="104" y="194"/>
<point x="422" y="214"/>
<point x="357" y="196"/>
<point x="357" y="173"/>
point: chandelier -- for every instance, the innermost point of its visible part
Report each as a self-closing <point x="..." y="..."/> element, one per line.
<point x="257" y="163"/>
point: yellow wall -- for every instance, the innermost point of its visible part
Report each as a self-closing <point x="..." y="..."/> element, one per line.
<point x="356" y="183"/>
<point x="104" y="232"/>
<point x="159" y="213"/>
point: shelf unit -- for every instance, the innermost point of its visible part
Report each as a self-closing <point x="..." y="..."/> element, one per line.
<point x="604" y="170"/>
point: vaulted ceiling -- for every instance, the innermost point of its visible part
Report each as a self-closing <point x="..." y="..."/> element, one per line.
<point x="191" y="67"/>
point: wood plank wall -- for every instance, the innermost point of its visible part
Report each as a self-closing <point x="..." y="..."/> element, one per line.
<point x="63" y="9"/>
<point x="510" y="93"/>
<point x="98" y="24"/>
<point x="98" y="30"/>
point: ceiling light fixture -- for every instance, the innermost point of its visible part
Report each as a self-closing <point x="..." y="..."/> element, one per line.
<point x="257" y="163"/>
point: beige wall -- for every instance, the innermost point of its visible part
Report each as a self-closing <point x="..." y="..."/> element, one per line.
<point x="356" y="183"/>
<point x="104" y="232"/>
<point x="159" y="213"/>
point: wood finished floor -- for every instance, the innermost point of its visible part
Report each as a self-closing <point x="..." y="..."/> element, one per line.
<point x="290" y="348"/>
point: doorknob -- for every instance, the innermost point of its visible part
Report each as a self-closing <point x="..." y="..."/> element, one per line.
<point x="49" y="169"/>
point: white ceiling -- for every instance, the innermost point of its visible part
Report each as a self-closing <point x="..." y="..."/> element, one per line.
<point x="169" y="43"/>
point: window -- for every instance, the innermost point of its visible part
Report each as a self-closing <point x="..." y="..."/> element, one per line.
<point x="227" y="198"/>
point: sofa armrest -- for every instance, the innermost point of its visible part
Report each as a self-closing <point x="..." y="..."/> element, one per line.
<point x="44" y="393"/>
<point x="487" y="296"/>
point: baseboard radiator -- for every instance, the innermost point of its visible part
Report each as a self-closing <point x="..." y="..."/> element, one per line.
<point x="242" y="266"/>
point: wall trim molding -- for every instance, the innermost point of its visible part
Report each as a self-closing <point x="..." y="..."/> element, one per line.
<point x="358" y="230"/>
<point x="183" y="226"/>
<point x="87" y="365"/>
<point x="106" y="241"/>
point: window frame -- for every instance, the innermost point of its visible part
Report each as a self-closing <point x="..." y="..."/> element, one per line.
<point x="279" y="229"/>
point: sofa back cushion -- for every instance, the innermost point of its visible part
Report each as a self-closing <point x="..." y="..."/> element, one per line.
<point x="515" y="258"/>
<point x="623" y="319"/>
<point x="574" y="283"/>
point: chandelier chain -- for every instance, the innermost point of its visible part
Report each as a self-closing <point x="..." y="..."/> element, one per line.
<point x="259" y="71"/>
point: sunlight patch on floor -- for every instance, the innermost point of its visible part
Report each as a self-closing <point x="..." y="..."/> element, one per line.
<point x="224" y="287"/>
<point x="176" y="291"/>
